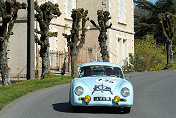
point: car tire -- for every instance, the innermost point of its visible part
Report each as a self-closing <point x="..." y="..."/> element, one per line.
<point x="69" y="101"/>
<point x="70" y="96"/>
<point x="126" y="109"/>
<point x="76" y="109"/>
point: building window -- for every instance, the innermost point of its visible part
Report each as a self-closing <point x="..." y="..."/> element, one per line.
<point x="119" y="53"/>
<point x="53" y="41"/>
<point x="125" y="49"/>
<point x="53" y="1"/>
<point x="122" y="11"/>
<point x="122" y="50"/>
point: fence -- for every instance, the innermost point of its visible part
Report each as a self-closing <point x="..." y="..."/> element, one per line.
<point x="57" y="61"/>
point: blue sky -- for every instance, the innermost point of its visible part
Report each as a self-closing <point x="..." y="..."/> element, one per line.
<point x="152" y="1"/>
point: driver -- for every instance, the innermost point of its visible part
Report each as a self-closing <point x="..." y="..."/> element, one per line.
<point x="87" y="71"/>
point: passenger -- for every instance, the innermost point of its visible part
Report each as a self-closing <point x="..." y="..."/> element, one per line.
<point x="109" y="71"/>
<point x="118" y="72"/>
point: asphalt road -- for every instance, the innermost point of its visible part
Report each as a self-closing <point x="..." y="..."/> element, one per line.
<point x="154" y="97"/>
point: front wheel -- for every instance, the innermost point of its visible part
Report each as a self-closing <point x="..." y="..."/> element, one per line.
<point x="126" y="109"/>
<point x="76" y="109"/>
<point x="70" y="96"/>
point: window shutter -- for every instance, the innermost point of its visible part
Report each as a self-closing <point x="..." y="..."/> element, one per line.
<point x="69" y="8"/>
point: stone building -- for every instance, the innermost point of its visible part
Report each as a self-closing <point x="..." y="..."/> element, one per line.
<point x="120" y="36"/>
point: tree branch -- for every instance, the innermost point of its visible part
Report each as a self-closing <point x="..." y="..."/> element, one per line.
<point x="94" y="24"/>
<point x="68" y="37"/>
<point x="52" y="34"/>
<point x="107" y="27"/>
<point x="37" y="40"/>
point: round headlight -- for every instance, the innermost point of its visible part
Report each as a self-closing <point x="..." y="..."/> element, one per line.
<point x="125" y="92"/>
<point x="79" y="90"/>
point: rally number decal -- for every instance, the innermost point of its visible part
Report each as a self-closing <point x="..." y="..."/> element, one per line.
<point x="107" y="81"/>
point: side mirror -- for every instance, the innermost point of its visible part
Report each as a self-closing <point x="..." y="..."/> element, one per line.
<point x="73" y="75"/>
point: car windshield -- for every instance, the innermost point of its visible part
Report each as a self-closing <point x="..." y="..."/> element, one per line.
<point x="88" y="71"/>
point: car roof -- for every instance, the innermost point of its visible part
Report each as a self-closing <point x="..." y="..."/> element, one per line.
<point x="100" y="63"/>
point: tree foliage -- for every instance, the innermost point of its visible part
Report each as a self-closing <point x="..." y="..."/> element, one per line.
<point x="44" y="14"/>
<point x="103" y="18"/>
<point x="144" y="23"/>
<point x="8" y="10"/>
<point x="149" y="24"/>
<point x="159" y="6"/>
<point x="76" y="40"/>
<point x="162" y="12"/>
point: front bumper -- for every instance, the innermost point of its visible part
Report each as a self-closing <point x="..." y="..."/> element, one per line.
<point x="124" y="102"/>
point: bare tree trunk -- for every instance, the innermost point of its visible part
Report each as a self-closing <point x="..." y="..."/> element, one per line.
<point x="104" y="50"/>
<point x="45" y="62"/>
<point x="64" y="65"/>
<point x="73" y="64"/>
<point x="4" y="64"/>
<point x="170" y="59"/>
<point x="74" y="55"/>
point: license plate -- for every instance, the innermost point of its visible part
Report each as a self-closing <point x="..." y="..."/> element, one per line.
<point x="102" y="98"/>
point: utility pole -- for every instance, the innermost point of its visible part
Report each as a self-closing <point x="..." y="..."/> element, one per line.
<point x="30" y="41"/>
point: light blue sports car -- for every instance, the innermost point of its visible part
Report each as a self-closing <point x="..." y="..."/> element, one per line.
<point x="101" y="84"/>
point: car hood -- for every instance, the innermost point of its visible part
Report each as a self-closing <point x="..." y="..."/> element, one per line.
<point x="109" y="82"/>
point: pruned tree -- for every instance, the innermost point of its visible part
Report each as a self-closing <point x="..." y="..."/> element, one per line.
<point x="44" y="14"/>
<point x="103" y="18"/>
<point x="8" y="10"/>
<point x="168" y="23"/>
<point x="76" y="40"/>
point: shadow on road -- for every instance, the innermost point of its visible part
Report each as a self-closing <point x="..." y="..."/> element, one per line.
<point x="63" y="107"/>
<point x="66" y="107"/>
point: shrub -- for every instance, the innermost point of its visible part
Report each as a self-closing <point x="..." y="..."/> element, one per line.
<point x="139" y="63"/>
<point x="48" y="75"/>
<point x="148" y="55"/>
<point x="170" y="66"/>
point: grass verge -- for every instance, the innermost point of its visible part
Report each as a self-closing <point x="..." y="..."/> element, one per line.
<point x="11" y="92"/>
